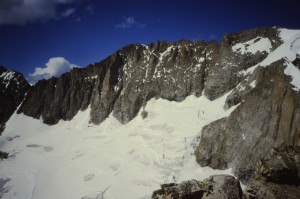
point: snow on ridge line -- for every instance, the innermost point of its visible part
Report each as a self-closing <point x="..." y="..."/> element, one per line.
<point x="287" y="35"/>
<point x="294" y="72"/>
<point x="288" y="50"/>
<point x="258" y="44"/>
<point x="110" y="158"/>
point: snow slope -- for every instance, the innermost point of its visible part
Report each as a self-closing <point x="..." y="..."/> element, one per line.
<point x="253" y="46"/>
<point x="75" y="159"/>
<point x="288" y="50"/>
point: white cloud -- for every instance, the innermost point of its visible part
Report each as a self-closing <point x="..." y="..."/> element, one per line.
<point x="129" y="23"/>
<point x="54" y="67"/>
<point x="25" y="11"/>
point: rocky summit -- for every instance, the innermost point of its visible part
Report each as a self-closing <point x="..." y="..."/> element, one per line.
<point x="13" y="87"/>
<point x="257" y="72"/>
<point x="124" y="82"/>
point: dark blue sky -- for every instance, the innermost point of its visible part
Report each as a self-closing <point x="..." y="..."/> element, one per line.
<point x="86" y="31"/>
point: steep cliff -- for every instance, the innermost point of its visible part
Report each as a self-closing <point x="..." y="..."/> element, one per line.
<point x="268" y="113"/>
<point x="277" y="175"/>
<point x="267" y="117"/>
<point x="126" y="80"/>
<point x="13" y="87"/>
<point x="252" y="77"/>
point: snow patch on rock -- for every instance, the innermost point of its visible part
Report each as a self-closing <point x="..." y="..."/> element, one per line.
<point x="253" y="46"/>
<point x="294" y="72"/>
<point x="288" y="50"/>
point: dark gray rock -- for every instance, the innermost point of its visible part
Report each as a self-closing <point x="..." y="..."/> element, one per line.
<point x="124" y="82"/>
<point x="144" y="114"/>
<point x="217" y="187"/>
<point x="61" y="98"/>
<point x="281" y="166"/>
<point x="296" y="62"/>
<point x="224" y="65"/>
<point x="268" y="117"/>
<point x="277" y="175"/>
<point x="13" y="87"/>
<point x="261" y="189"/>
<point x="3" y="155"/>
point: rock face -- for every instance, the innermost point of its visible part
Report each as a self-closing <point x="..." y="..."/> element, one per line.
<point x="215" y="187"/>
<point x="268" y="116"/>
<point x="123" y="83"/>
<point x="61" y="98"/>
<point x="277" y="175"/>
<point x="13" y="87"/>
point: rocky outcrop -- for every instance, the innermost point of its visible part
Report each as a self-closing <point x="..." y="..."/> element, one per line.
<point x="268" y="116"/>
<point x="277" y="175"/>
<point x="61" y="98"/>
<point x="224" y="64"/>
<point x="3" y="155"/>
<point x="13" y="87"/>
<point x="123" y="82"/>
<point x="217" y="187"/>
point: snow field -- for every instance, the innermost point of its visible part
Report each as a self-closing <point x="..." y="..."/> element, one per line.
<point x="74" y="159"/>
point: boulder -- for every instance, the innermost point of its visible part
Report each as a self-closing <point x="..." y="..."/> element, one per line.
<point x="277" y="175"/>
<point x="217" y="187"/>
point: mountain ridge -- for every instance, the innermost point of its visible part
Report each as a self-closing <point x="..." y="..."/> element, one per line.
<point x="143" y="72"/>
<point x="254" y="74"/>
<point x="13" y="87"/>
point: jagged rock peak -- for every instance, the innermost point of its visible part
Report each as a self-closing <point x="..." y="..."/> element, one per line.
<point x="13" y="87"/>
<point x="123" y="82"/>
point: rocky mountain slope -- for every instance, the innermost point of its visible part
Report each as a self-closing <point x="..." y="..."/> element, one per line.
<point x="267" y="116"/>
<point x="255" y="74"/>
<point x="125" y="81"/>
<point x="13" y="87"/>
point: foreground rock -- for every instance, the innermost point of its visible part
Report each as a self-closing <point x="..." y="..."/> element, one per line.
<point x="217" y="187"/>
<point x="268" y="116"/>
<point x="277" y="175"/>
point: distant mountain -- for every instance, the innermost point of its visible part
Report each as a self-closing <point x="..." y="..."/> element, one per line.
<point x="13" y="87"/>
<point x="239" y="109"/>
<point x="126" y="80"/>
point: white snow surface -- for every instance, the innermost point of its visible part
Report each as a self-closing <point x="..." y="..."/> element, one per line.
<point x="288" y="50"/>
<point x="253" y="46"/>
<point x="74" y="159"/>
<point x="294" y="72"/>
